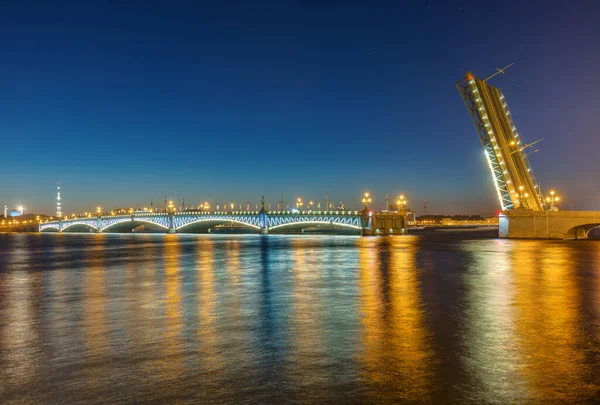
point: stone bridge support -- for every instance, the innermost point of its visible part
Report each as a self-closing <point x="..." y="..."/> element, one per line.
<point x="171" y="228"/>
<point x="384" y="223"/>
<point x="522" y="223"/>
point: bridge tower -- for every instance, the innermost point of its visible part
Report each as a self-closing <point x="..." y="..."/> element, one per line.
<point x="171" y="211"/>
<point x="262" y="218"/>
<point x="98" y="220"/>
<point x="504" y="149"/>
<point x="58" y="201"/>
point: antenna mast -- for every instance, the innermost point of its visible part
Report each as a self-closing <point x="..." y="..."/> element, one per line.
<point x="58" y="204"/>
<point x="499" y="71"/>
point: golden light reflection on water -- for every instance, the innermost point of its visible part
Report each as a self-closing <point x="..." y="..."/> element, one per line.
<point x="395" y="341"/>
<point x="232" y="248"/>
<point x="207" y="333"/>
<point x="306" y="329"/>
<point x="548" y="320"/>
<point x="20" y="337"/>
<point x="492" y="352"/>
<point x="95" y="299"/>
<point x="173" y="322"/>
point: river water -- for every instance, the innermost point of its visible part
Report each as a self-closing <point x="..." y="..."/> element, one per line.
<point x="87" y="318"/>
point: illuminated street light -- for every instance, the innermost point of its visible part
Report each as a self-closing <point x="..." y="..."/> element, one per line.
<point x="401" y="203"/>
<point x="98" y="211"/>
<point x="299" y="203"/>
<point x="552" y="199"/>
<point x="366" y="200"/>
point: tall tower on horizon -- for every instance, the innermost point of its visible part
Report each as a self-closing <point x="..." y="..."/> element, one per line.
<point x="58" y="204"/>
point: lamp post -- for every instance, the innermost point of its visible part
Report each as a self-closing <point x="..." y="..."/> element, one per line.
<point x="310" y="205"/>
<point x="299" y="204"/>
<point x="401" y="203"/>
<point x="366" y="200"/>
<point x="552" y="199"/>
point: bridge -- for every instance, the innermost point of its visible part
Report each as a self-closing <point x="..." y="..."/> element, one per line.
<point x="365" y="222"/>
<point x="526" y="212"/>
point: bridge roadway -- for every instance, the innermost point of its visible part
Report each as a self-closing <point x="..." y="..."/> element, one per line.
<point x="366" y="221"/>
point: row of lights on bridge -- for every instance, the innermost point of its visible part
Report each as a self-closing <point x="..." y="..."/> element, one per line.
<point x="552" y="198"/>
<point x="401" y="204"/>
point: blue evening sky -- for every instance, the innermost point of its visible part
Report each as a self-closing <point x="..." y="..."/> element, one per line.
<point x="123" y="101"/>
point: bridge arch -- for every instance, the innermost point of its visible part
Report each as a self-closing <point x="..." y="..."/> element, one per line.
<point x="580" y="231"/>
<point x="215" y="221"/>
<point x="130" y="224"/>
<point x="49" y="228"/>
<point x="80" y="224"/>
<point x="307" y="224"/>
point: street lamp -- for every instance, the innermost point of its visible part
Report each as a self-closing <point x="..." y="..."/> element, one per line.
<point x="310" y="205"/>
<point x="552" y="199"/>
<point x="401" y="203"/>
<point x="171" y="207"/>
<point x="99" y="211"/>
<point x="366" y="200"/>
<point x="299" y="203"/>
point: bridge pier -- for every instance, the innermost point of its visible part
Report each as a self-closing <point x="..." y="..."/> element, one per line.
<point x="523" y="223"/>
<point x="262" y="218"/>
<point x="171" y="228"/>
<point x="384" y="223"/>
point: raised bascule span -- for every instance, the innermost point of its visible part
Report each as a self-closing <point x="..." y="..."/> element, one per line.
<point x="525" y="212"/>
<point x="503" y="147"/>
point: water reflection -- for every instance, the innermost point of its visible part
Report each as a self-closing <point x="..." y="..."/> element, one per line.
<point x="173" y="326"/>
<point x="548" y="321"/>
<point x="396" y="345"/>
<point x="94" y="300"/>
<point x="491" y="344"/>
<point x="237" y="319"/>
<point x="19" y="336"/>
<point x="524" y="332"/>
